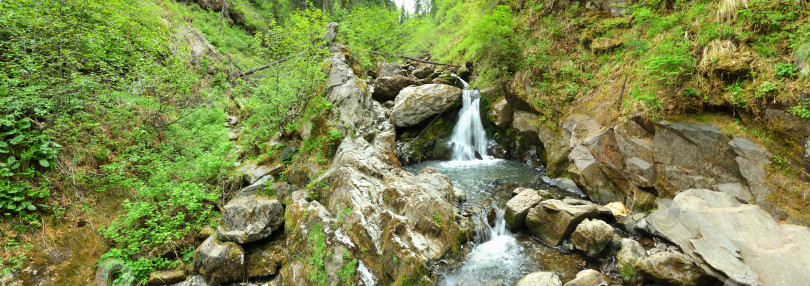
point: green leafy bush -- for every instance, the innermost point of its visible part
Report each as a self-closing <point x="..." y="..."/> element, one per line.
<point x="24" y="152"/>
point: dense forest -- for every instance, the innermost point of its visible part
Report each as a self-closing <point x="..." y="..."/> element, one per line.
<point x="141" y="138"/>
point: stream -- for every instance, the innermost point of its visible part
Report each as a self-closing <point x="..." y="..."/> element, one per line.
<point x="498" y="256"/>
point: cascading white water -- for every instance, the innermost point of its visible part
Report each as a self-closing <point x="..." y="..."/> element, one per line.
<point x="469" y="136"/>
<point x="497" y="260"/>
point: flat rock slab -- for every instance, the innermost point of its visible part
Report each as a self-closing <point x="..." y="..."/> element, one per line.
<point x="734" y="240"/>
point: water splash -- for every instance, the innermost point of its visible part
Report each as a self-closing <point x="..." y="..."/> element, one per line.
<point x="469" y="136"/>
<point x="498" y="261"/>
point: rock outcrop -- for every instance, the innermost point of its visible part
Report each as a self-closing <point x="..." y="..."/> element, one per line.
<point x="733" y="240"/>
<point x="250" y="218"/>
<point x="416" y="103"/>
<point x="629" y="163"/>
<point x="364" y="209"/>
<point x="554" y="220"/>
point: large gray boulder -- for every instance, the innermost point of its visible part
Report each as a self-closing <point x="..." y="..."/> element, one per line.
<point x="387" y="88"/>
<point x="733" y="240"/>
<point x="672" y="268"/>
<point x="250" y="218"/>
<point x="592" y="237"/>
<point x="416" y="103"/>
<point x="540" y="279"/>
<point x="518" y="207"/>
<point x="390" y="70"/>
<point x="554" y="220"/>
<point x="219" y="262"/>
<point x="588" y="277"/>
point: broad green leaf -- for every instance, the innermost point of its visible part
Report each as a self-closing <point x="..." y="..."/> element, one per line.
<point x="24" y="123"/>
<point x="44" y="163"/>
<point x="16" y="140"/>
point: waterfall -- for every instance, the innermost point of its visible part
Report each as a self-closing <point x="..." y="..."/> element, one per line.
<point x="469" y="136"/>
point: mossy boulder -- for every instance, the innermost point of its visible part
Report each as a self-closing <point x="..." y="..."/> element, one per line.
<point x="220" y="262"/>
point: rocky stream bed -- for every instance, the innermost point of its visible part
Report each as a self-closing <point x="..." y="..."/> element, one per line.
<point x="645" y="203"/>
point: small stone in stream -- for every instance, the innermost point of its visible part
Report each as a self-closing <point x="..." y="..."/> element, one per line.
<point x="592" y="237"/>
<point x="166" y="277"/>
<point x="588" y="277"/>
<point x="540" y="279"/>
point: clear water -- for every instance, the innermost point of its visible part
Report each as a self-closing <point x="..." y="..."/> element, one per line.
<point x="468" y="136"/>
<point x="499" y="257"/>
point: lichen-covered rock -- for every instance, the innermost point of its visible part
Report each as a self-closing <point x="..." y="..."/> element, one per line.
<point x="519" y="206"/>
<point x="250" y="218"/>
<point x="592" y="237"/>
<point x="627" y="257"/>
<point x="540" y="279"/>
<point x="416" y="103"/>
<point x="166" y="277"/>
<point x="219" y="262"/>
<point x="554" y="220"/>
<point x="387" y="88"/>
<point x="672" y="268"/>
<point x="264" y="259"/>
<point x="588" y="277"/>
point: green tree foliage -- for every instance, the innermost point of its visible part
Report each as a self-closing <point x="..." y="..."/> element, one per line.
<point x="280" y="99"/>
<point x="374" y="27"/>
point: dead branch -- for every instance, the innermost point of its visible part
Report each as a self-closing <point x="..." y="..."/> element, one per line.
<point x="414" y="59"/>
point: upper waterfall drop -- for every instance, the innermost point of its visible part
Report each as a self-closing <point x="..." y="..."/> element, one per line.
<point x="469" y="136"/>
